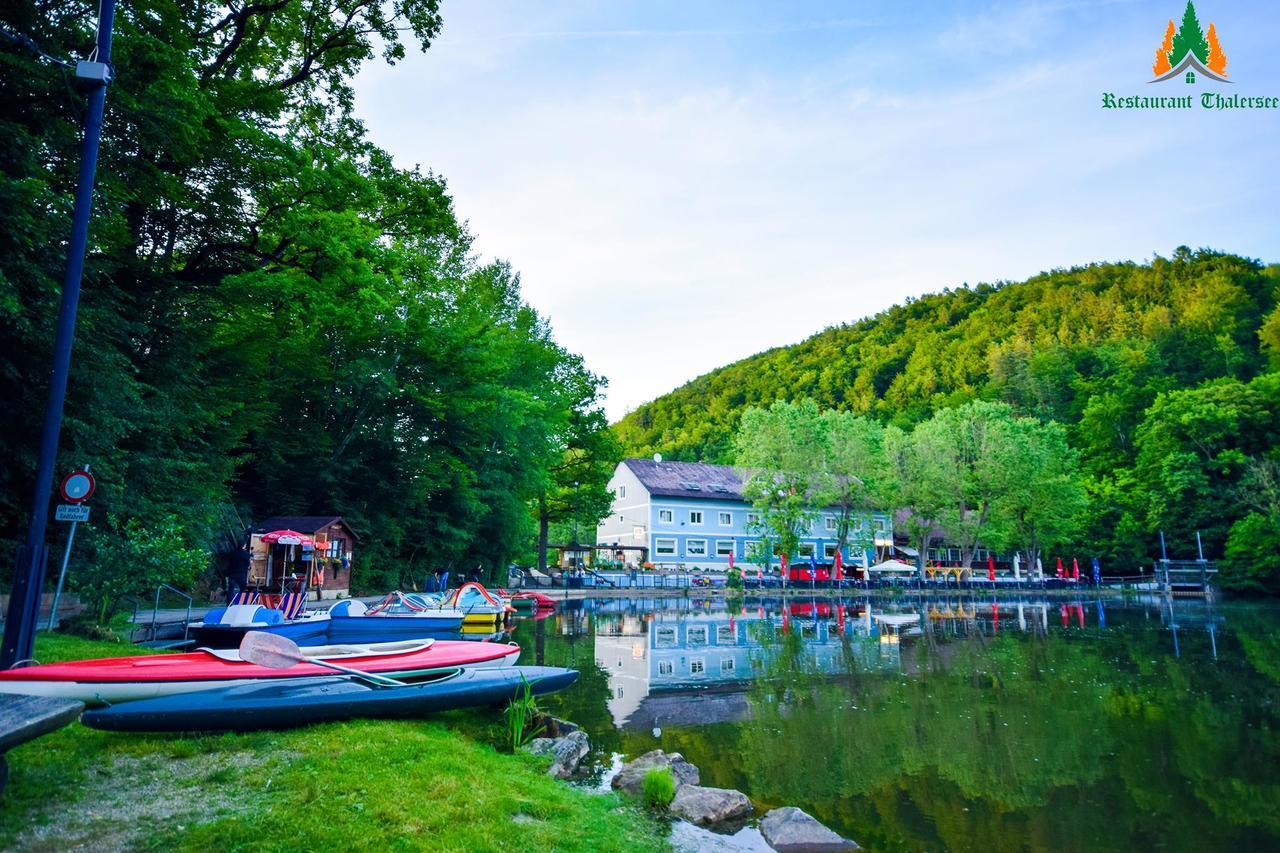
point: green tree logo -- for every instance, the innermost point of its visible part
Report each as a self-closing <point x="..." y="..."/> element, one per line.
<point x="1187" y="50"/>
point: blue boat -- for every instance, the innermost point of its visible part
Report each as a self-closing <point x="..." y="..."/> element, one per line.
<point x="347" y="621"/>
<point x="327" y="698"/>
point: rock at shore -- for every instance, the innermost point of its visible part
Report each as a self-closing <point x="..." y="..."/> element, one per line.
<point x="566" y="752"/>
<point x="630" y="778"/>
<point x="791" y="830"/>
<point x="709" y="806"/>
<point x="554" y="727"/>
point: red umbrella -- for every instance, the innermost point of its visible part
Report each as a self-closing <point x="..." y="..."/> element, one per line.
<point x="730" y="561"/>
<point x="995" y="617"/>
<point x="1061" y="571"/>
<point x="1075" y="569"/>
<point x="991" y="568"/>
<point x="287" y="537"/>
<point x="839" y="567"/>
<point x="783" y="558"/>
<point x="839" y="607"/>
<point x="1063" y="611"/>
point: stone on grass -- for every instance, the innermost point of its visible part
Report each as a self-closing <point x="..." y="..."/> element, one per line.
<point x="790" y="830"/>
<point x="709" y="806"/>
<point x="566" y="752"/>
<point x="630" y="778"/>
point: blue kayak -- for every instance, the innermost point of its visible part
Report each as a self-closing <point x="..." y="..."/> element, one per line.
<point x="303" y="701"/>
<point x="333" y="628"/>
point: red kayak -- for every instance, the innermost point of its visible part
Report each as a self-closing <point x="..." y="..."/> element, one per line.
<point x="111" y="680"/>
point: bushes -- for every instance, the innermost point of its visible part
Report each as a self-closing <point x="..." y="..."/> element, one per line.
<point x="1252" y="561"/>
<point x="659" y="788"/>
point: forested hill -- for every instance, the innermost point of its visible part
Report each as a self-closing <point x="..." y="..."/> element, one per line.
<point x="1166" y="375"/>
<point x="1093" y="343"/>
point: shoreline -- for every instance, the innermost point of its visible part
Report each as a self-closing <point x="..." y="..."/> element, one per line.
<point x="820" y="592"/>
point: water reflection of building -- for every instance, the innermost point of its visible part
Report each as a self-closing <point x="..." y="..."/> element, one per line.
<point x="674" y="661"/>
<point x="702" y="662"/>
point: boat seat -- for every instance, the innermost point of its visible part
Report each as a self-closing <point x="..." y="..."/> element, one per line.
<point x="348" y="607"/>
<point x="244" y="615"/>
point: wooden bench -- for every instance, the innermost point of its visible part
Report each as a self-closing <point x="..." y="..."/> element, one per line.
<point x="24" y="718"/>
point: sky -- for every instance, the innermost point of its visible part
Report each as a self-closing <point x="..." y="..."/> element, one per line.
<point x="684" y="184"/>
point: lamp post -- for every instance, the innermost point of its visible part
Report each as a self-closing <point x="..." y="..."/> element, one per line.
<point x="28" y="576"/>
<point x="574" y="512"/>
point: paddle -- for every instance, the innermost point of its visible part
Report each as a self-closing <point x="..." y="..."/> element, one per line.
<point x="276" y="652"/>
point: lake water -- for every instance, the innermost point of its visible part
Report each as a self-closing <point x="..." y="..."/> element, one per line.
<point x="947" y="724"/>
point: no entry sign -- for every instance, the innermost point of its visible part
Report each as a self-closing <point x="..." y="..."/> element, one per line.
<point x="77" y="486"/>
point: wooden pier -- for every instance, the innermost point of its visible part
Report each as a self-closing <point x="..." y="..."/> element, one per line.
<point x="1186" y="577"/>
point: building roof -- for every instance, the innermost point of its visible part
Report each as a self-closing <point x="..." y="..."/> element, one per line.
<point x="1190" y="61"/>
<point x="694" y="480"/>
<point x="301" y="523"/>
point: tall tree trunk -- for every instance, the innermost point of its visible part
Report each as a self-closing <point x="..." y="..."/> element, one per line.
<point x="544" y="523"/>
<point x="925" y="539"/>
<point x="967" y="549"/>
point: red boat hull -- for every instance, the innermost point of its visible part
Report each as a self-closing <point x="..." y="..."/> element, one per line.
<point x="123" y="679"/>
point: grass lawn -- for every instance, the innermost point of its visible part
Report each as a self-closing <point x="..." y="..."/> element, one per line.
<point x="438" y="784"/>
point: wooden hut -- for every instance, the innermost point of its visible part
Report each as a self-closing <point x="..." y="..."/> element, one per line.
<point x="320" y="559"/>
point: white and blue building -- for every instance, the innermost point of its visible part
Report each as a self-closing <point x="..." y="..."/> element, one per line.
<point x="691" y="515"/>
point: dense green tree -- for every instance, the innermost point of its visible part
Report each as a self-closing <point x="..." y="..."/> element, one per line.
<point x="967" y="458"/>
<point x="1041" y="499"/>
<point x="276" y="318"/>
<point x="1194" y="446"/>
<point x="780" y="450"/>
<point x="855" y="474"/>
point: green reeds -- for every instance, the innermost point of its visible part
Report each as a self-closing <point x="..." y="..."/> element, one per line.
<point x="522" y="715"/>
<point x="659" y="788"/>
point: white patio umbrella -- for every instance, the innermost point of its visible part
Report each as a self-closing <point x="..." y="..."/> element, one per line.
<point x="1017" y="567"/>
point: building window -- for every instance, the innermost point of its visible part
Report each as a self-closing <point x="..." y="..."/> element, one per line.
<point x="857" y="525"/>
<point x="726" y="519"/>
<point x="829" y="551"/>
<point x="697" y="666"/>
<point x="695" y="547"/>
<point x="831" y="522"/>
<point x="695" y="516"/>
<point x="637" y="532"/>
<point x="665" y="667"/>
<point x="724" y="547"/>
<point x="617" y="693"/>
<point x="622" y="491"/>
<point x="806" y="549"/>
<point x="724" y="635"/>
<point x="664" y="637"/>
<point x="727" y="666"/>
<point x="697" y="635"/>
<point x="1191" y="77"/>
<point x="880" y="524"/>
<point x="664" y="547"/>
<point x="753" y="518"/>
<point x="666" y="516"/>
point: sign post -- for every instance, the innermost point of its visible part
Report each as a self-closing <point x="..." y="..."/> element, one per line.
<point x="76" y="487"/>
<point x="28" y="578"/>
